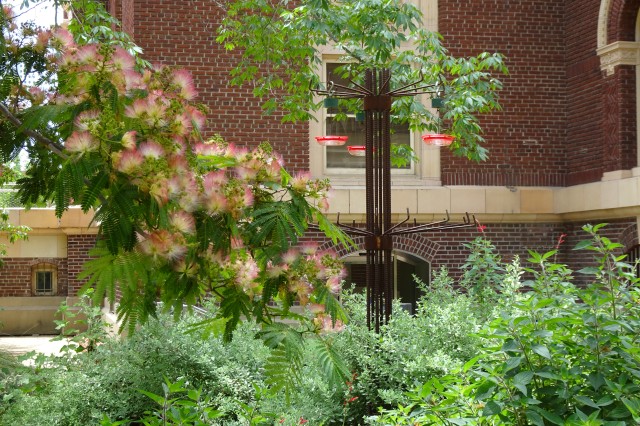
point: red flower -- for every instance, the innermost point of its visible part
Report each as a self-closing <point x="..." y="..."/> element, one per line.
<point x="350" y="400"/>
<point x="560" y="240"/>
<point x="481" y="228"/>
<point x="302" y="421"/>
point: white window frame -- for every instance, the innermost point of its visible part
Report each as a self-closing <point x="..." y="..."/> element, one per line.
<point x="426" y="172"/>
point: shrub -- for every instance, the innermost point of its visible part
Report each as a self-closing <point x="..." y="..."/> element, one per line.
<point x="108" y="379"/>
<point x="565" y="355"/>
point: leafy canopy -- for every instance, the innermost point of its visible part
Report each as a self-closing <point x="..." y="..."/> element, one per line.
<point x="180" y="217"/>
<point x="281" y="45"/>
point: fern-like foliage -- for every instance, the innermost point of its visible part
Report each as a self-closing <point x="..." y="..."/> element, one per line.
<point x="276" y="225"/>
<point x="128" y="271"/>
<point x="284" y="364"/>
<point x="329" y="360"/>
<point x="234" y="304"/>
<point x="118" y="217"/>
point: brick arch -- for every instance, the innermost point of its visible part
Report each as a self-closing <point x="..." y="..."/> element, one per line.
<point x="415" y="244"/>
<point x="621" y="19"/>
<point x="617" y="23"/>
<point x="45" y="260"/>
<point x="628" y="237"/>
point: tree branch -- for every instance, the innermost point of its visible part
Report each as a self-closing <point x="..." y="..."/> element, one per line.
<point x="39" y="138"/>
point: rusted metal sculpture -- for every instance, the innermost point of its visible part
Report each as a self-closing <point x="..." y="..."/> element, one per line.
<point x="378" y="233"/>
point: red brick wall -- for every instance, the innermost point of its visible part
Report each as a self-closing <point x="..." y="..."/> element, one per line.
<point x="622" y="20"/>
<point x="78" y="247"/>
<point x="527" y="139"/>
<point x="16" y="276"/>
<point x="551" y="131"/>
<point x="183" y="34"/>
<point x="585" y="135"/>
<point x="447" y="248"/>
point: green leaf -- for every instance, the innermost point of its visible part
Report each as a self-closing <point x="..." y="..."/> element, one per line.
<point x="633" y="405"/>
<point x="551" y="417"/>
<point x="534" y="418"/>
<point x="589" y="270"/>
<point x="541" y="350"/>
<point x="331" y="363"/>
<point x="491" y="409"/>
<point x="521" y="380"/>
<point x="583" y="245"/>
<point x="586" y="401"/>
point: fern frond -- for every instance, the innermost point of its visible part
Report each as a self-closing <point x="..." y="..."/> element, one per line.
<point x="105" y="271"/>
<point x="333" y="231"/>
<point x="276" y="225"/>
<point x="93" y="190"/>
<point x="329" y="360"/>
<point x="234" y="303"/>
<point x="331" y="304"/>
<point x="210" y="230"/>
<point x="42" y="116"/>
<point x="284" y="364"/>
<point x="117" y="218"/>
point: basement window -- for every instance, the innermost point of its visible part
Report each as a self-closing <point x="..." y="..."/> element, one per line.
<point x="44" y="279"/>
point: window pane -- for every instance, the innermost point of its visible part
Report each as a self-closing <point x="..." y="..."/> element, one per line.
<point x="44" y="282"/>
<point x="338" y="156"/>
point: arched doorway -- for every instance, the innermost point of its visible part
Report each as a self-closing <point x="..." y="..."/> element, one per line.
<point x="406" y="266"/>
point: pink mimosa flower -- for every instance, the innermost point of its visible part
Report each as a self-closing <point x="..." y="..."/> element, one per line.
<point x="190" y="201"/>
<point x="63" y="38"/>
<point x="88" y="55"/>
<point x="214" y="180"/>
<point x="309" y="248"/>
<point x="334" y="284"/>
<point x="184" y="81"/>
<point x="179" y="145"/>
<point x="151" y="149"/>
<point x="81" y="142"/>
<point x="300" y="181"/>
<point x="129" y="139"/>
<point x="162" y="243"/>
<point x="182" y="125"/>
<point x="159" y="191"/>
<point x="87" y="119"/>
<point x="215" y="202"/>
<point x="323" y="204"/>
<point x="178" y="163"/>
<point x="316" y="308"/>
<point x="196" y="116"/>
<point x="43" y="40"/>
<point x="137" y="109"/>
<point x="156" y="110"/>
<point x="248" y="197"/>
<point x="290" y="256"/>
<point x="183" y="222"/>
<point x="132" y="80"/>
<point x="123" y="60"/>
<point x="129" y="161"/>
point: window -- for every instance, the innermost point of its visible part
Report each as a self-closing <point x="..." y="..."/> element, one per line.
<point x="633" y="259"/>
<point x="337" y="158"/>
<point x="343" y="169"/>
<point x="44" y="279"/>
<point x="405" y="267"/>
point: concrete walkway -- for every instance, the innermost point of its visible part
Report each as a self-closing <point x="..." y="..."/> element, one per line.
<point x="19" y="345"/>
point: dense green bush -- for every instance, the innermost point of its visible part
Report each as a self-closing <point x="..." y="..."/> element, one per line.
<point x="563" y="355"/>
<point x="489" y="349"/>
<point x="79" y="390"/>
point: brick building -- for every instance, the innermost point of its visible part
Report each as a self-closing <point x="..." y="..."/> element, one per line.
<point x="40" y="273"/>
<point x="563" y="151"/>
